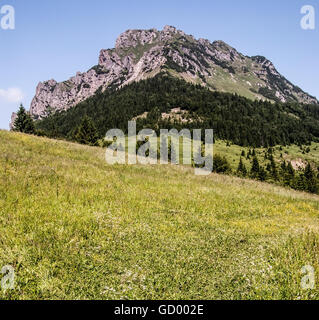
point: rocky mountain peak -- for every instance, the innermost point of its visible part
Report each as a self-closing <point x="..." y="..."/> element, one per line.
<point x="140" y="54"/>
<point x="134" y="38"/>
<point x="169" y="29"/>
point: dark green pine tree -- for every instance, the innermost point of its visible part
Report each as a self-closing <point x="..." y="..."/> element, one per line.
<point x="311" y="181"/>
<point x="300" y="182"/>
<point x="254" y="172"/>
<point x="87" y="133"/>
<point x="283" y="167"/>
<point x="273" y="171"/>
<point x="290" y="170"/>
<point x="309" y="174"/>
<point x="221" y="165"/>
<point x="289" y="175"/>
<point x="268" y="167"/>
<point x="262" y="176"/>
<point x="242" y="171"/>
<point x="23" y="122"/>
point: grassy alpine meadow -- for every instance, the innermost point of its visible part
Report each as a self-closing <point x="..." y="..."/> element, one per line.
<point x="74" y="227"/>
<point x="297" y="154"/>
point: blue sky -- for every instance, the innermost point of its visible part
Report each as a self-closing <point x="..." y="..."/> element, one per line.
<point x="57" y="38"/>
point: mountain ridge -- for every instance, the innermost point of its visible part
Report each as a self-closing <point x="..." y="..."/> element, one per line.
<point x="141" y="54"/>
<point x="164" y="101"/>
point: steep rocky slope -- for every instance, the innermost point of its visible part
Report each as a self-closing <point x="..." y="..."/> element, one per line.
<point x="140" y="54"/>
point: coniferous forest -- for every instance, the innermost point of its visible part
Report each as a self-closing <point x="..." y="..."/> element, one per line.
<point x="237" y="119"/>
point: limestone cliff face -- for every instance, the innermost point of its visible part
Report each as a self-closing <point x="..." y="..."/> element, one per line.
<point x="140" y="54"/>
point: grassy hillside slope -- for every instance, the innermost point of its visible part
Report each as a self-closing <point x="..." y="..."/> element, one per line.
<point x="290" y="153"/>
<point x="74" y="227"/>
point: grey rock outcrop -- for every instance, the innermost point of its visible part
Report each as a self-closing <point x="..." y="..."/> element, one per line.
<point x="140" y="54"/>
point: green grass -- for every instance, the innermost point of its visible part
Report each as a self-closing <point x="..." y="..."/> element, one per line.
<point x="289" y="153"/>
<point x="74" y="227"/>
